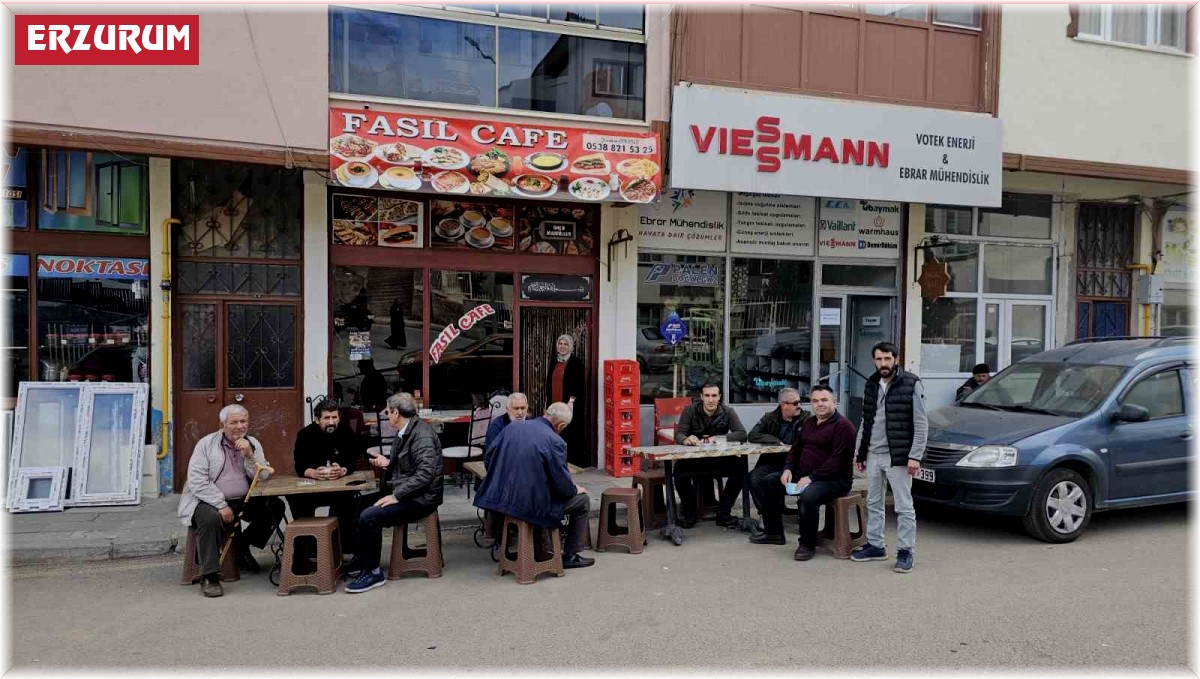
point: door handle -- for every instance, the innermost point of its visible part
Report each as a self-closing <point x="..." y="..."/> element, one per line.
<point x="211" y="399"/>
<point x="239" y="398"/>
<point x="1186" y="436"/>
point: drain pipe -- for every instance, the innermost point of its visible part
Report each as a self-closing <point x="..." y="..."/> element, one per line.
<point x="165" y="285"/>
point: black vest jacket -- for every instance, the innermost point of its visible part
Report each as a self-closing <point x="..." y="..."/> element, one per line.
<point x="898" y="404"/>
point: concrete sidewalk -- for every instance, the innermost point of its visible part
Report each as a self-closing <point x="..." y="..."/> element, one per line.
<point x="152" y="528"/>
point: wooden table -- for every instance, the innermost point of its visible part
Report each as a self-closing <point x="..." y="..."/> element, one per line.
<point x="668" y="455"/>
<point x="444" y="417"/>
<point x="282" y="485"/>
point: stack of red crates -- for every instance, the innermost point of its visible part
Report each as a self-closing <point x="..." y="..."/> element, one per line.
<point x="621" y="417"/>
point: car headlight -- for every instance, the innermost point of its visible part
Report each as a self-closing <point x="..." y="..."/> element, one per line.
<point x="989" y="456"/>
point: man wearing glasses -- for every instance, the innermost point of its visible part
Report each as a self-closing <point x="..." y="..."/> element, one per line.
<point x="777" y="427"/>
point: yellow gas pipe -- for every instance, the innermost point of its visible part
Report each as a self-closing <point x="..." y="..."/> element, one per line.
<point x="165" y="286"/>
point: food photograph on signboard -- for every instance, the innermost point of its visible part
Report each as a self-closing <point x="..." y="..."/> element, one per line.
<point x="556" y="230"/>
<point x="370" y="220"/>
<point x="471" y="226"/>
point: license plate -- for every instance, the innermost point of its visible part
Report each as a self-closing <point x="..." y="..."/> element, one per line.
<point x="926" y="475"/>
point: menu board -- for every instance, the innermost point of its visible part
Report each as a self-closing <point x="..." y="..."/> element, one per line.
<point x="860" y="228"/>
<point x="556" y="230"/>
<point x="471" y="226"/>
<point x="437" y="154"/>
<point x="370" y="220"/>
<point x="771" y="224"/>
<point x="685" y="219"/>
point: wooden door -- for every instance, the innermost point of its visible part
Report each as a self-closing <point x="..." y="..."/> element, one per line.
<point x="238" y="351"/>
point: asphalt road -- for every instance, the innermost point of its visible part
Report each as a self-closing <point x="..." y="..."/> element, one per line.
<point x="982" y="595"/>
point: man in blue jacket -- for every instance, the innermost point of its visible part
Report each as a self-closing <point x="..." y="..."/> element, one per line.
<point x="528" y="479"/>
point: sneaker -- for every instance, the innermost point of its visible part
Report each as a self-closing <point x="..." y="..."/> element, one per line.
<point x="904" y="561"/>
<point x="211" y="588"/>
<point x="804" y="552"/>
<point x="869" y="552"/>
<point x="761" y="538"/>
<point x="577" y="561"/>
<point x="367" y="581"/>
<point x="727" y="520"/>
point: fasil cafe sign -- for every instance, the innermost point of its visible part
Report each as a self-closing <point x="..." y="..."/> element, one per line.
<point x="757" y="142"/>
<point x="454" y="330"/>
<point x="106" y="40"/>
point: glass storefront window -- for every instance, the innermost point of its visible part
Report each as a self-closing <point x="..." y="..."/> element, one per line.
<point x="1017" y="270"/>
<point x="93" y="192"/>
<point x="1020" y="215"/>
<point x="858" y="275"/>
<point x="770" y="328"/>
<point x="1176" y="316"/>
<point x="590" y="77"/>
<point x="16" y="330"/>
<point x="479" y="360"/>
<point x="963" y="261"/>
<point x="378" y="314"/>
<point x="15" y="205"/>
<point x="93" y="319"/>
<point x="947" y="219"/>
<point x="694" y="289"/>
<point x="948" y="335"/>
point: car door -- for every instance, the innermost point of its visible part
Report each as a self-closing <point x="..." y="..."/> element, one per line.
<point x="1150" y="458"/>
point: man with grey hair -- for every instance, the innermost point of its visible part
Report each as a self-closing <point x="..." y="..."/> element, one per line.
<point x="412" y="489"/>
<point x="517" y="409"/>
<point x="777" y="427"/>
<point x="220" y="472"/>
<point x="528" y="479"/>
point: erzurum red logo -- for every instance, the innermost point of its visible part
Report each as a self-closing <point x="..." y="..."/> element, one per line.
<point x="107" y="40"/>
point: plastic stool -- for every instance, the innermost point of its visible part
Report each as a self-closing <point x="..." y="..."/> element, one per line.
<point x="523" y="563"/>
<point x="653" y="484"/>
<point x="329" y="555"/>
<point x="428" y="560"/>
<point x="191" y="563"/>
<point x="631" y="536"/>
<point x="835" y="535"/>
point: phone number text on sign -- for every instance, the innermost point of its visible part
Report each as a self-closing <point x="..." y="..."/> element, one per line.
<point x="598" y="143"/>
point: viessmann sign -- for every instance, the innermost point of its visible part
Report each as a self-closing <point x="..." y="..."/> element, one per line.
<point x="734" y="140"/>
<point x="107" y="40"/>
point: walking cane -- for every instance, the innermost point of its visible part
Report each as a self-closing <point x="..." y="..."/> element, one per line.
<point x="258" y="467"/>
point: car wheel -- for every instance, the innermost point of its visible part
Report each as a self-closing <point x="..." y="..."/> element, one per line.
<point x="1061" y="507"/>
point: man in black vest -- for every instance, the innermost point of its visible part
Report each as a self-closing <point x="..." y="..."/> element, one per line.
<point x="894" y="432"/>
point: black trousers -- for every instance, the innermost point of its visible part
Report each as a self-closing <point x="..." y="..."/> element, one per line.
<point x="768" y="493"/>
<point x="731" y="467"/>
<point x="262" y="514"/>
<point x="575" y="511"/>
<point x="342" y="506"/>
<point x="372" y="520"/>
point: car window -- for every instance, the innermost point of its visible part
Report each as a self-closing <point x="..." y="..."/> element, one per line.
<point x="1069" y="390"/>
<point x="651" y="333"/>
<point x="1161" y="394"/>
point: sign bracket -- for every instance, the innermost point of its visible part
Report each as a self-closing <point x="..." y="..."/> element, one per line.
<point x="621" y="236"/>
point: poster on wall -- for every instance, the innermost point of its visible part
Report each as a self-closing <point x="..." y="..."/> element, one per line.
<point x="360" y="345"/>
<point x="556" y="230"/>
<point x="1178" y="245"/>
<point x="472" y="226"/>
<point x="370" y="220"/>
<point x="771" y="224"/>
<point x="439" y="154"/>
<point x="860" y="228"/>
<point x="685" y="219"/>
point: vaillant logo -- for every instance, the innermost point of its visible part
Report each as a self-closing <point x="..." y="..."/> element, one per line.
<point x="107" y="40"/>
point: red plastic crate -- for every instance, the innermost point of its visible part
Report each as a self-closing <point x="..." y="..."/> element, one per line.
<point x="620" y="426"/>
<point x="621" y="397"/>
<point x="620" y="365"/>
<point x="616" y="440"/>
<point x="622" y="466"/>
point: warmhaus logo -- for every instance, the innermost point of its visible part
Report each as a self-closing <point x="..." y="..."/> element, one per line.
<point x="107" y="40"/>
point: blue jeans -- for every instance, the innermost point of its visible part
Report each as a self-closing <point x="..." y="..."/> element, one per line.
<point x="373" y="520"/>
<point x="880" y="475"/>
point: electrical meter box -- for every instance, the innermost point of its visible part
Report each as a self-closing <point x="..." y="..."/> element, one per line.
<point x="1149" y="289"/>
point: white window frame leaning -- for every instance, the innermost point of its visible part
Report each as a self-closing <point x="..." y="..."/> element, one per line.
<point x="19" y="501"/>
<point x="982" y="299"/>
<point x="16" y="453"/>
<point x="132" y="493"/>
<point x="1153" y="26"/>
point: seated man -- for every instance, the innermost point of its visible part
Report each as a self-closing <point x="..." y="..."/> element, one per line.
<point x="822" y="459"/>
<point x="528" y="479"/>
<point x="698" y="424"/>
<point x="327" y="449"/>
<point x="518" y="409"/>
<point x="980" y="374"/>
<point x="412" y="489"/>
<point x="220" y="472"/>
<point x="777" y="427"/>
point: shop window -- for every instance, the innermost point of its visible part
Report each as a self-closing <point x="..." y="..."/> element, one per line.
<point x="948" y="219"/>
<point x="378" y="316"/>
<point x="93" y="326"/>
<point x="119" y="201"/>
<point x="479" y="360"/>
<point x="1176" y="315"/>
<point x="237" y="210"/>
<point x="948" y="335"/>
<point x="962" y="260"/>
<point x="93" y="192"/>
<point x="770" y="329"/>
<point x="1018" y="270"/>
<point x="453" y="62"/>
<point x="859" y="275"/>
<point x="963" y="16"/>
<point x="694" y="289"/>
<point x="14" y="164"/>
<point x="16" y="330"/>
<point x="1019" y="216"/>
<point x="65" y="186"/>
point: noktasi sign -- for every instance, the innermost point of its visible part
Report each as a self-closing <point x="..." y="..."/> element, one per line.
<point x="726" y="139"/>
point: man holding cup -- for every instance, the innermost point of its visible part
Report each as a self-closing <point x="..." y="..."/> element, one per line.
<point x="326" y="450"/>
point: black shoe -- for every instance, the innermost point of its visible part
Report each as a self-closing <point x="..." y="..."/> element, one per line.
<point x="687" y="522"/>
<point x="211" y="588"/>
<point x="577" y="561"/>
<point x="727" y="520"/>
<point x="761" y="538"/>
<point x="804" y="552"/>
<point x="247" y="562"/>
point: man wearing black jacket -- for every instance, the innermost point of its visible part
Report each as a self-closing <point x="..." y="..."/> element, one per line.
<point x="822" y="462"/>
<point x="778" y="427"/>
<point x="699" y="424"/>
<point x="327" y="449"/>
<point x="412" y="489"/>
